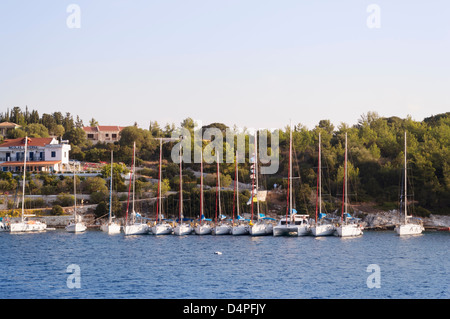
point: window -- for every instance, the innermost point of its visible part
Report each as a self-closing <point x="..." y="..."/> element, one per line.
<point x="90" y="135"/>
<point x="53" y="154"/>
<point x="114" y="135"/>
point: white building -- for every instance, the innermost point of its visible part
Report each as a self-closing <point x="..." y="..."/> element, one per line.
<point x="43" y="154"/>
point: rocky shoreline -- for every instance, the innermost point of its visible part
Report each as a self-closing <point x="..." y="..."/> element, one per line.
<point x="387" y="220"/>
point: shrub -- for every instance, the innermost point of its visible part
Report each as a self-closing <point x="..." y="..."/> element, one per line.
<point x="57" y="210"/>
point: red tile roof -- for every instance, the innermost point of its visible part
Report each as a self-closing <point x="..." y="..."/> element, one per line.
<point x="8" y="125"/>
<point x="30" y="163"/>
<point x="103" y="128"/>
<point x="32" y="141"/>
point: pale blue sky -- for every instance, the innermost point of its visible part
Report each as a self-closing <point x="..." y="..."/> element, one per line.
<point x="253" y="63"/>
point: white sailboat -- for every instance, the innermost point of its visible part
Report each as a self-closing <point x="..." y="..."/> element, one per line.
<point x="293" y="223"/>
<point x="75" y="225"/>
<point x="161" y="227"/>
<point x="220" y="227"/>
<point x="408" y="227"/>
<point x="261" y="227"/>
<point x="25" y="225"/>
<point x="111" y="227"/>
<point x="135" y="227"/>
<point x="240" y="227"/>
<point x="202" y="228"/>
<point x="321" y="227"/>
<point x="348" y="226"/>
<point x="181" y="228"/>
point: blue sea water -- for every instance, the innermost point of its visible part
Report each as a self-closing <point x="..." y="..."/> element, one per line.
<point x="172" y="267"/>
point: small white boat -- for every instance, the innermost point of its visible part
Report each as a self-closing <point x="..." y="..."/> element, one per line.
<point x="321" y="227"/>
<point x="348" y="230"/>
<point x="182" y="229"/>
<point x="295" y="225"/>
<point x="25" y="225"/>
<point x="76" y="227"/>
<point x="409" y="229"/>
<point x="261" y="228"/>
<point x="349" y="226"/>
<point x="322" y="230"/>
<point x="111" y="227"/>
<point x="135" y="229"/>
<point x="292" y="224"/>
<point x="240" y="229"/>
<point x="203" y="229"/>
<point x="162" y="228"/>
<point x="221" y="229"/>
<point x="410" y="226"/>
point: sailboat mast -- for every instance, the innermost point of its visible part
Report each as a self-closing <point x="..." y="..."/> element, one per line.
<point x="405" y="182"/>
<point x="320" y="175"/>
<point x="158" y="211"/>
<point x="181" y="189"/>
<point x="344" y="188"/>
<point x="134" y="173"/>
<point x="319" y="183"/>
<point x="236" y="188"/>
<point x="74" y="196"/>
<point x="256" y="173"/>
<point x="110" y="189"/>
<point x="24" y="173"/>
<point x="201" y="184"/>
<point x="218" y="186"/>
<point x="346" y="175"/>
<point x="290" y="170"/>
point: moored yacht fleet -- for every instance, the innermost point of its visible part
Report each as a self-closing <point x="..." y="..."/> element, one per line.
<point x="290" y="224"/>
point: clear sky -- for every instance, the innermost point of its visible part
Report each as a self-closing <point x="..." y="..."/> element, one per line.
<point x="252" y="63"/>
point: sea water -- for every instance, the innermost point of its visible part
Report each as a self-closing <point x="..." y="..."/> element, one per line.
<point x="57" y="264"/>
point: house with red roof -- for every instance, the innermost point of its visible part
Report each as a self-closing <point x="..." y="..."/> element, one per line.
<point x="43" y="154"/>
<point x="5" y="126"/>
<point x="103" y="133"/>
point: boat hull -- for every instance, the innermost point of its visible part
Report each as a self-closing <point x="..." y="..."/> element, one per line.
<point x="162" y="229"/>
<point x="322" y="230"/>
<point x="135" y="229"/>
<point x="183" y="229"/>
<point x="283" y="230"/>
<point x="27" y="227"/>
<point x="239" y="230"/>
<point x="348" y="231"/>
<point x="221" y="230"/>
<point x="261" y="229"/>
<point x="76" y="228"/>
<point x="408" y="229"/>
<point x="203" y="230"/>
<point x="112" y="228"/>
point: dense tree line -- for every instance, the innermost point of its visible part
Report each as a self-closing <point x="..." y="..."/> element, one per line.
<point x="375" y="157"/>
